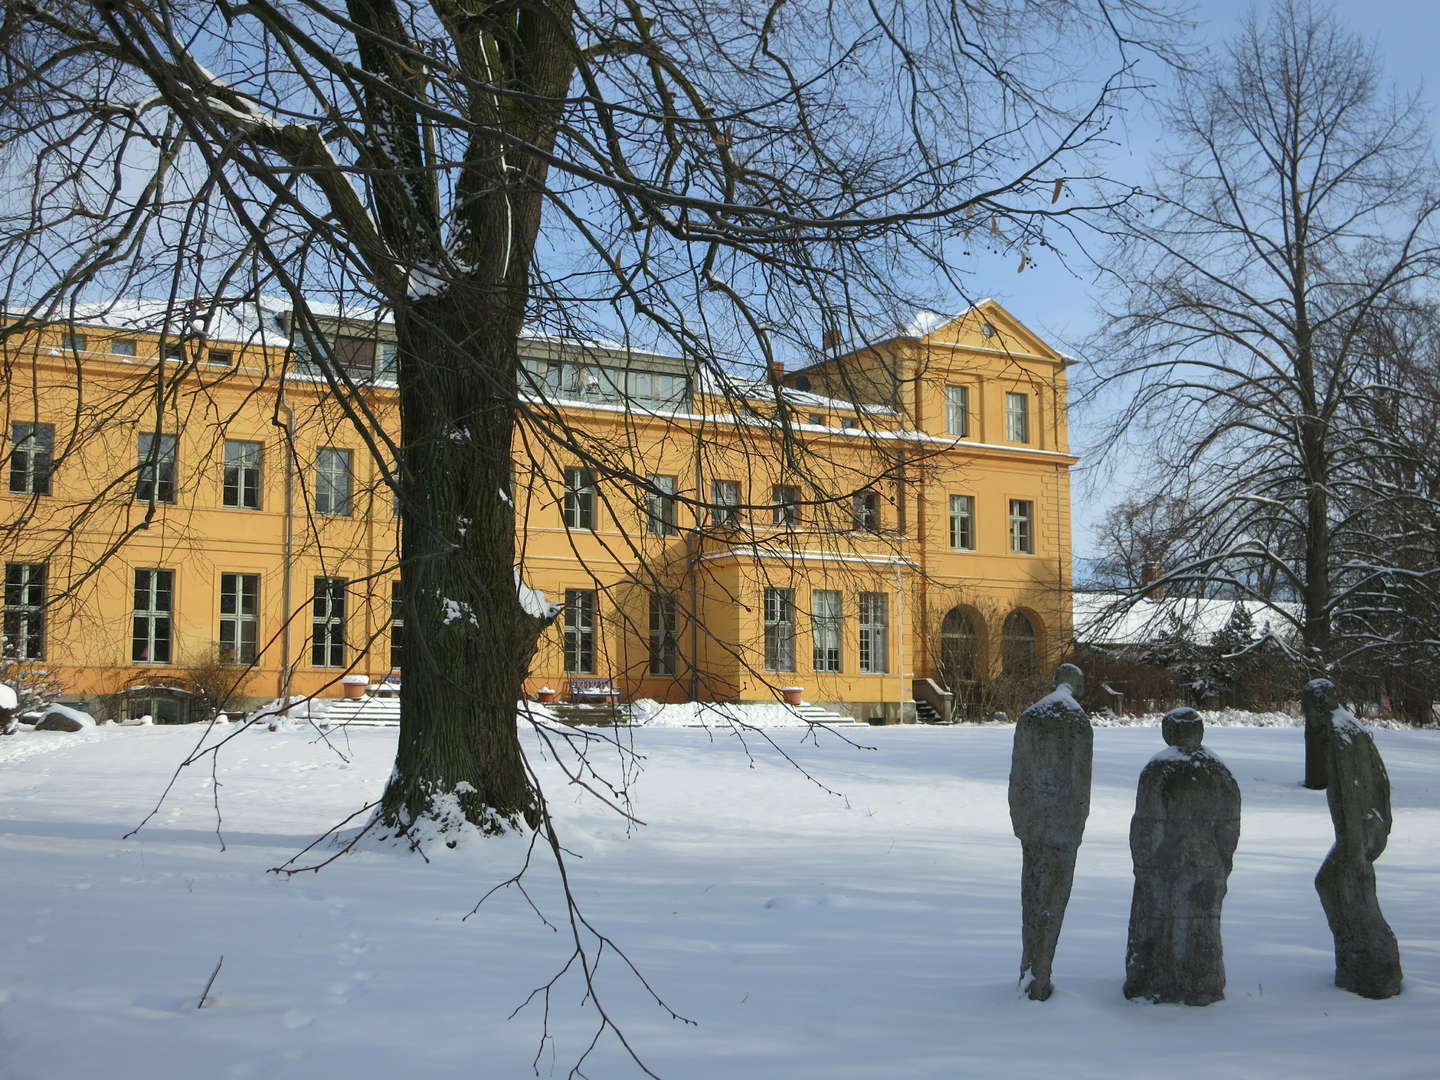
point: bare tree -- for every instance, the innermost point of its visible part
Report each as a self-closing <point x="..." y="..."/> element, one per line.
<point x="720" y="180"/>
<point x="1247" y="284"/>
<point x="1138" y="540"/>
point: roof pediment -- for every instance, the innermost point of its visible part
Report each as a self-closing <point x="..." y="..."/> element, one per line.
<point x="986" y="325"/>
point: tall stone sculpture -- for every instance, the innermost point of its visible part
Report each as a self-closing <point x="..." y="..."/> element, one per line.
<point x="1367" y="957"/>
<point x="1049" y="802"/>
<point x="1182" y="838"/>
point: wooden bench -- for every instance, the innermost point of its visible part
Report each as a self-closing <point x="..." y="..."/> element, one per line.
<point x="599" y="689"/>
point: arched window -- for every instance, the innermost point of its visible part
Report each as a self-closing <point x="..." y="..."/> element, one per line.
<point x="163" y="704"/>
<point x="960" y="649"/>
<point x="1018" y="645"/>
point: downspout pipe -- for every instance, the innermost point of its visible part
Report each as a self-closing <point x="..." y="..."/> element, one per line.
<point x="287" y="549"/>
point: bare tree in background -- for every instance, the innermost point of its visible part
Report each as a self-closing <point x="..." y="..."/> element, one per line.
<point x="1247" y="285"/>
<point x="716" y="180"/>
<point x="1139" y="539"/>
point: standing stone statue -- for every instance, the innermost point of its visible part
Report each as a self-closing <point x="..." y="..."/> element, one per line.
<point x="1367" y="958"/>
<point x="1317" y="730"/>
<point x="1049" y="802"/>
<point x="1182" y="838"/>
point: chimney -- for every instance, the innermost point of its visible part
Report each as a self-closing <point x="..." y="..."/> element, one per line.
<point x="830" y="340"/>
<point x="1149" y="574"/>
<point x="777" y="372"/>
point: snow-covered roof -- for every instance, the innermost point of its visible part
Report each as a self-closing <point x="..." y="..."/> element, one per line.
<point x="1110" y="619"/>
<point x="242" y="322"/>
<point x="721" y="384"/>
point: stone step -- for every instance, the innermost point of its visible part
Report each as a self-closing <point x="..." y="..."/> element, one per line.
<point x="364" y="712"/>
<point x="925" y="713"/>
<point x="815" y="715"/>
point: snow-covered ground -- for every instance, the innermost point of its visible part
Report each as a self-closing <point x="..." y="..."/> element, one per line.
<point x="870" y="933"/>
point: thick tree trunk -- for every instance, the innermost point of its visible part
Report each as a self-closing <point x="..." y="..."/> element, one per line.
<point x="467" y="642"/>
<point x="467" y="639"/>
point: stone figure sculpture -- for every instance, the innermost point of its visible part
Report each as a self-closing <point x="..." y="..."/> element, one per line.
<point x="1367" y="957"/>
<point x="1049" y="802"/>
<point x="1182" y="839"/>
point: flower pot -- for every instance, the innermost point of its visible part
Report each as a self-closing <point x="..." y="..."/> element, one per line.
<point x="355" y="686"/>
<point x="792" y="694"/>
<point x="545" y="695"/>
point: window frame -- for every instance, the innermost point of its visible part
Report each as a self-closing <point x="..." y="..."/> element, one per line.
<point x="874" y="621"/>
<point x="397" y="627"/>
<point x="32" y="443"/>
<point x="328" y="616"/>
<point x="241" y="623"/>
<point x="127" y="347"/>
<point x="660" y="505"/>
<point x="26" y="586"/>
<point x="578" y="504"/>
<point x="962" y="522"/>
<point x="1017" y="417"/>
<point x="157" y="470"/>
<point x="724" y="503"/>
<point x="156" y="616"/>
<point x="785" y="503"/>
<point x="579" y="617"/>
<point x="779" y="618"/>
<point x="1022" y="526"/>
<point x="827" y="635"/>
<point x="957" y="408"/>
<point x="865" y="511"/>
<point x="334" y="481"/>
<point x="243" y="469"/>
<point x="664" y="642"/>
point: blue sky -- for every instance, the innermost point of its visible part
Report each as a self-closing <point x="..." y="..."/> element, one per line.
<point x="1058" y="300"/>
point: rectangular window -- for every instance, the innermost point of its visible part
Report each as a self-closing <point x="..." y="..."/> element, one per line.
<point x="874" y="633"/>
<point x="825" y="628"/>
<point x="389" y="360"/>
<point x="122" y="347"/>
<point x="31" y="446"/>
<point x="354" y="355"/>
<point x="241" y="487"/>
<point x="239" y="617"/>
<point x="962" y="522"/>
<point x="174" y="353"/>
<point x="580" y="631"/>
<point x="664" y="634"/>
<point x="785" y="498"/>
<point x="1022" y="526"/>
<point x="957" y="411"/>
<point x="865" y="511"/>
<point x="24" y="611"/>
<point x="73" y="342"/>
<point x="327" y="622"/>
<point x="151" y="625"/>
<point x="660" y="505"/>
<point x="579" y="498"/>
<point x="397" y="625"/>
<point x="155" y="479"/>
<point x="724" y="502"/>
<point x="333" y="481"/>
<point x="1017" y="417"/>
<point x="223" y="358"/>
<point x="779" y="629"/>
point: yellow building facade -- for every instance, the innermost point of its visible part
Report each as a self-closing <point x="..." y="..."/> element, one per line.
<point x="886" y="526"/>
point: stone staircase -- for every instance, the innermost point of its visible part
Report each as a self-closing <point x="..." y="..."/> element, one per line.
<point x="925" y="713"/>
<point x="371" y="711"/>
<point x="813" y="714"/>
